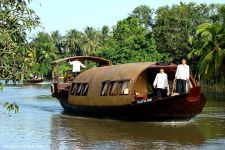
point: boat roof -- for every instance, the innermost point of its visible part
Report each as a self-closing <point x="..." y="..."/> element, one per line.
<point x="128" y="71"/>
<point x="101" y="61"/>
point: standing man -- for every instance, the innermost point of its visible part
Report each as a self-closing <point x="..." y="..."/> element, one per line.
<point x="161" y="83"/>
<point x="182" y="75"/>
<point x="76" y="67"/>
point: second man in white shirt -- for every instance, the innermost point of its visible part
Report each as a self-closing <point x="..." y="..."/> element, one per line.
<point x="161" y="83"/>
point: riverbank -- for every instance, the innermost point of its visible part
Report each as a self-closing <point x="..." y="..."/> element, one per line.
<point x="213" y="88"/>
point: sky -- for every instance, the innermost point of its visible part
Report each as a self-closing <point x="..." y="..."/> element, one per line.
<point x="63" y="15"/>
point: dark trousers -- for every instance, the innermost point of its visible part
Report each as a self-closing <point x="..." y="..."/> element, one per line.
<point x="161" y="93"/>
<point x="181" y="86"/>
<point x="75" y="74"/>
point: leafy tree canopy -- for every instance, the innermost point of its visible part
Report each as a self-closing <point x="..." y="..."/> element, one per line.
<point x="15" y="20"/>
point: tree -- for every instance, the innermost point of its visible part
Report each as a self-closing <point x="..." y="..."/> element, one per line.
<point x="104" y="34"/>
<point x="15" y="19"/>
<point x="73" y="42"/>
<point x="91" y="40"/>
<point x="212" y="50"/>
<point x="57" y="39"/>
<point x="175" y="25"/>
<point x="144" y="14"/>
<point x="45" y="52"/>
<point x="131" y="42"/>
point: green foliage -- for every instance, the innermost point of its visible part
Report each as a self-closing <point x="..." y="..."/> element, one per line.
<point x="15" y="19"/>
<point x="168" y="37"/>
<point x="73" y="42"/>
<point x="44" y="52"/>
<point x="11" y="107"/>
<point x="1" y="86"/>
<point x="211" y="53"/>
<point x="91" y="40"/>
<point x="175" y="26"/>
<point x="144" y="14"/>
<point x="131" y="42"/>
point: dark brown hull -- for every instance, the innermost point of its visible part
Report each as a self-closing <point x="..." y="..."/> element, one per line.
<point x="35" y="80"/>
<point x="181" y="107"/>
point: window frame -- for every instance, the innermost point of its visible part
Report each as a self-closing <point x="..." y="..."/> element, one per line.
<point x="78" y="87"/>
<point x="107" y="88"/>
<point x="117" y="88"/>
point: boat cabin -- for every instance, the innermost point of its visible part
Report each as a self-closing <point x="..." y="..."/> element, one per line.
<point x="110" y="85"/>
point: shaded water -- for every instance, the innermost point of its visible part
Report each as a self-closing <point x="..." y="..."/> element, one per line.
<point x="41" y="124"/>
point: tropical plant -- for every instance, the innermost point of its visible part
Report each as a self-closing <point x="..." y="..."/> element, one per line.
<point x="91" y="40"/>
<point x="104" y="34"/>
<point x="212" y="51"/>
<point x="58" y="40"/>
<point x="73" y="42"/>
<point x="131" y="42"/>
<point x="144" y="14"/>
<point x="174" y="25"/>
<point x="45" y="51"/>
<point x="15" y="20"/>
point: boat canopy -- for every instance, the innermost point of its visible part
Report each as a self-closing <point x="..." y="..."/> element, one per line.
<point x="101" y="61"/>
<point x="115" y="82"/>
<point x="55" y="64"/>
<point x="121" y="72"/>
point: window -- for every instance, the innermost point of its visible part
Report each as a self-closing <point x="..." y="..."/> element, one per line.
<point x="124" y="87"/>
<point x="85" y="87"/>
<point x="105" y="88"/>
<point x="113" y="88"/>
<point x="74" y="88"/>
<point x="79" y="89"/>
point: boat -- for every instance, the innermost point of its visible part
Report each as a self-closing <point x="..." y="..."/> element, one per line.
<point x="124" y="92"/>
<point x="34" y="81"/>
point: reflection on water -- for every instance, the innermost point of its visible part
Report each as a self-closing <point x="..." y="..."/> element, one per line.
<point x="42" y="124"/>
<point x="98" y="133"/>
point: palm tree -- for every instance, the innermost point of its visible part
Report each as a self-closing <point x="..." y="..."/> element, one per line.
<point x="57" y="38"/>
<point x="212" y="51"/>
<point x="91" y="40"/>
<point x="45" y="52"/>
<point x="74" y="42"/>
<point x="104" y="33"/>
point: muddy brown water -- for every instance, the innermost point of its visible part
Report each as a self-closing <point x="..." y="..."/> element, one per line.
<point x="42" y="124"/>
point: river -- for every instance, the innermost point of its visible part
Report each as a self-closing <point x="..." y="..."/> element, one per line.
<point x="42" y="124"/>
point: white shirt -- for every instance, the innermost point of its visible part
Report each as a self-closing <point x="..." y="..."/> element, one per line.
<point x="76" y="66"/>
<point x="161" y="81"/>
<point x="182" y="72"/>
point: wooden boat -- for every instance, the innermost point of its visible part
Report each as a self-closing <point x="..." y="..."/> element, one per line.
<point x="33" y="81"/>
<point x="124" y="92"/>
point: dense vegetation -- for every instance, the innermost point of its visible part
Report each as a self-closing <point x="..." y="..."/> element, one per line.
<point x="166" y="34"/>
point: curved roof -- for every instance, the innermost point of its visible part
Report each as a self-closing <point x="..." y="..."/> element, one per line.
<point x="95" y="76"/>
<point x="122" y="71"/>
<point x="101" y="61"/>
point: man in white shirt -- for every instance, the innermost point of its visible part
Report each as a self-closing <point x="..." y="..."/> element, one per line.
<point x="76" y="67"/>
<point x="161" y="83"/>
<point x="181" y="76"/>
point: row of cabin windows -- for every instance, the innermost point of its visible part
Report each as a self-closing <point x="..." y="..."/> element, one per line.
<point x="115" y="88"/>
<point x="79" y="89"/>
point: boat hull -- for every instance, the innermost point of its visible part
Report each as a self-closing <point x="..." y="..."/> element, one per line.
<point x="34" y="81"/>
<point x="176" y="108"/>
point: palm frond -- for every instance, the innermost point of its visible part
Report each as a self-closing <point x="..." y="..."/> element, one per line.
<point x="205" y="63"/>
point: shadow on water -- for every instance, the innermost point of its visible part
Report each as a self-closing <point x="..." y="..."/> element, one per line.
<point x="205" y="131"/>
<point x="77" y="133"/>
